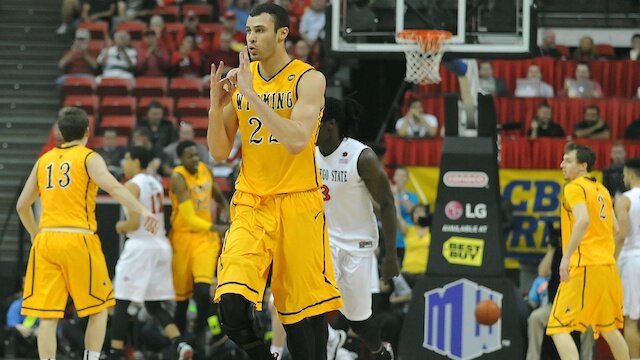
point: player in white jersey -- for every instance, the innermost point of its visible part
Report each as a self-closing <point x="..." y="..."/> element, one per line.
<point x="627" y="209"/>
<point x="352" y="179"/>
<point x="143" y="272"/>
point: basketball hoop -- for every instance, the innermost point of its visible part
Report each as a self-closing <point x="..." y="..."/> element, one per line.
<point x="423" y="61"/>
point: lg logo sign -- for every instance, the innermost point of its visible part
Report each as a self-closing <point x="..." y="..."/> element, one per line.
<point x="454" y="210"/>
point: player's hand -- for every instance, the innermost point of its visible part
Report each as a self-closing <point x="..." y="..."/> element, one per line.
<point x="390" y="268"/>
<point x="120" y="227"/>
<point x="564" y="269"/>
<point x="221" y="89"/>
<point x="534" y="124"/>
<point x="245" y="80"/>
<point x="150" y="221"/>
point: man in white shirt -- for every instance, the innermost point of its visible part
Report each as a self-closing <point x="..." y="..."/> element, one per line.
<point x="417" y="124"/>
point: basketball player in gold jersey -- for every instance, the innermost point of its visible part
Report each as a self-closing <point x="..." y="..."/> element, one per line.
<point x="194" y="234"/>
<point x="590" y="291"/>
<point x="66" y="256"/>
<point x="277" y="218"/>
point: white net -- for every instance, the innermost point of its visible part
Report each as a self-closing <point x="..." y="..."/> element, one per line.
<point x="423" y="51"/>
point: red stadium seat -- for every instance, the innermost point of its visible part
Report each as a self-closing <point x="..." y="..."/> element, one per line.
<point x="114" y="87"/>
<point x="192" y="107"/>
<point x="117" y="105"/>
<point x="606" y="50"/>
<point x="199" y="124"/>
<point x="99" y="30"/>
<point x="150" y="86"/>
<point x="168" y="13"/>
<point x="122" y="124"/>
<point x="88" y="103"/>
<point x="78" y="85"/>
<point x="135" y="29"/>
<point x="176" y="31"/>
<point x="166" y="102"/>
<point x="202" y="11"/>
<point x="98" y="141"/>
<point x="185" y="87"/>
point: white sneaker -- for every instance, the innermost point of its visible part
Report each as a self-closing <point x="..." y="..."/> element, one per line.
<point x="62" y="29"/>
<point x="185" y="351"/>
<point x="336" y="344"/>
<point x="344" y="354"/>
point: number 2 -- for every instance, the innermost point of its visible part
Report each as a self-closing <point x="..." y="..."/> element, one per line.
<point x="603" y="214"/>
<point x="254" y="138"/>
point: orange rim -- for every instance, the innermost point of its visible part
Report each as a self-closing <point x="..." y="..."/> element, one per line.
<point x="427" y="39"/>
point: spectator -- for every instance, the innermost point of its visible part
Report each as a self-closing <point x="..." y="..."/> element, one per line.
<point x="313" y="21"/>
<point x="224" y="52"/>
<point x="612" y="177"/>
<point x="192" y="27"/>
<point x="229" y="21"/>
<point x="417" y="238"/>
<point x="159" y="165"/>
<point x="583" y="78"/>
<point x="185" y="132"/>
<point x="302" y="51"/>
<point x="153" y="59"/>
<point x="165" y="40"/>
<point x="415" y="123"/>
<point x="187" y="61"/>
<point x="162" y="132"/>
<point x="130" y="10"/>
<point x="405" y="202"/>
<point x="55" y="138"/>
<point x="548" y="47"/>
<point x="586" y="50"/>
<point x="22" y="331"/>
<point x="593" y="126"/>
<point x="634" y="53"/>
<point x="633" y="131"/>
<point x="119" y="60"/>
<point x="539" y="90"/>
<point x="98" y="10"/>
<point x="79" y="60"/>
<point x="543" y="126"/>
<point x="68" y="11"/>
<point x="488" y="83"/>
<point x="112" y="152"/>
<point x="241" y="9"/>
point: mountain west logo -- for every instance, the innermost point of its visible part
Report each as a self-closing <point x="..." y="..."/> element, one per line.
<point x="450" y="326"/>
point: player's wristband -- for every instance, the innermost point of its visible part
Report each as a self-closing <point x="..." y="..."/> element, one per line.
<point x="189" y="214"/>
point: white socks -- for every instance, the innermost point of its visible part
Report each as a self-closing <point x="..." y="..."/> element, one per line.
<point x="91" y="355"/>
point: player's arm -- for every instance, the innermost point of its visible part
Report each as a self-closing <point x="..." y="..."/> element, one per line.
<point x="377" y="183"/>
<point x="223" y="122"/>
<point x="97" y="169"/>
<point x="27" y="197"/>
<point x="622" y="215"/>
<point x="133" y="218"/>
<point x="544" y="268"/>
<point x="305" y="116"/>
<point x="574" y="195"/>
<point x="185" y="205"/>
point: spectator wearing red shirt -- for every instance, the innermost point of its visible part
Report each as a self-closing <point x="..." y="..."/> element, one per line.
<point x="153" y="60"/>
<point x="187" y="61"/>
<point x="79" y="60"/>
<point x="224" y="53"/>
<point x="165" y="40"/>
<point x="229" y="20"/>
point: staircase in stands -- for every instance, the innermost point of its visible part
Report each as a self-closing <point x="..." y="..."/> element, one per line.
<point x="29" y="101"/>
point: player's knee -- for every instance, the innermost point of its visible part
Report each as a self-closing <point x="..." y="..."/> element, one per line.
<point x="201" y="292"/>
<point x="155" y="309"/>
<point x="236" y="319"/>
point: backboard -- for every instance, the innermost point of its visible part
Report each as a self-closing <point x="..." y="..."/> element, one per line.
<point x="480" y="28"/>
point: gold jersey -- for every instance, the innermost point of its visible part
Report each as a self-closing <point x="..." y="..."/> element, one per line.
<point x="200" y="186"/>
<point x="597" y="245"/>
<point x="268" y="168"/>
<point x="67" y="193"/>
